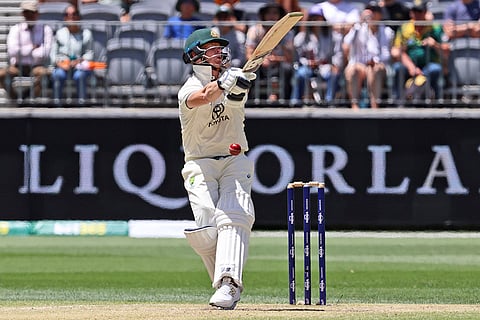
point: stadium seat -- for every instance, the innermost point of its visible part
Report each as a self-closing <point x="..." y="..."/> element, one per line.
<point x="52" y="13"/>
<point x="147" y="30"/>
<point x="126" y="68"/>
<point x="158" y="11"/>
<point x="102" y="31"/>
<point x="52" y="10"/>
<point x="166" y="69"/>
<point x="97" y="11"/>
<point x="464" y="66"/>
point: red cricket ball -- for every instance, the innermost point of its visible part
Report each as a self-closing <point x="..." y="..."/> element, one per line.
<point x="235" y="149"/>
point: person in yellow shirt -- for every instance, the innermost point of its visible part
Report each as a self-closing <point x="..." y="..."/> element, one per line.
<point x="420" y="50"/>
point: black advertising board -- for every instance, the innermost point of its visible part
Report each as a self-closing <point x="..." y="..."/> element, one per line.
<point x="381" y="172"/>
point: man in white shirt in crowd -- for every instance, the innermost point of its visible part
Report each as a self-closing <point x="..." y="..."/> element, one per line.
<point x="28" y="46"/>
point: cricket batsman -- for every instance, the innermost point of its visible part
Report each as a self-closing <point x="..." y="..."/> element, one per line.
<point x="217" y="174"/>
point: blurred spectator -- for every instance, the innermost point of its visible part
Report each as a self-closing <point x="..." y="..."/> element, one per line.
<point x="294" y="6"/>
<point x="420" y="50"/>
<point x="71" y="56"/>
<point x="367" y="49"/>
<point x="125" y="5"/>
<point x="319" y="55"/>
<point x="28" y="46"/>
<point x="342" y="14"/>
<point x="290" y="5"/>
<point x="462" y="19"/>
<point x="239" y="14"/>
<point x="235" y="37"/>
<point x="277" y="67"/>
<point x="176" y="28"/>
<point x="394" y="10"/>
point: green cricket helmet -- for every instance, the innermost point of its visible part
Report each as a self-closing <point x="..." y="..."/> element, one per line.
<point x="193" y="52"/>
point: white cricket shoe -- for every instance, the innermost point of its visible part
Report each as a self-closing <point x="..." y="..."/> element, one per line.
<point x="227" y="296"/>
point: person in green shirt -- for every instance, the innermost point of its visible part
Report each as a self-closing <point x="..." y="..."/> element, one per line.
<point x="419" y="49"/>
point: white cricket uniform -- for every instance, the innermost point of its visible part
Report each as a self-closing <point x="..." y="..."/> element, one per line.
<point x="218" y="184"/>
<point x="208" y="131"/>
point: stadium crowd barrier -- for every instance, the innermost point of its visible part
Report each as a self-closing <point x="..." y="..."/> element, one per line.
<point x="146" y="70"/>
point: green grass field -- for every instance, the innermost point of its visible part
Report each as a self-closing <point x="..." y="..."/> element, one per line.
<point x="39" y="271"/>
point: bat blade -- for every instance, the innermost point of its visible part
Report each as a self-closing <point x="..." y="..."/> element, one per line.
<point x="271" y="39"/>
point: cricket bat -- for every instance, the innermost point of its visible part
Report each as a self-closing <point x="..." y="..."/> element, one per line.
<point x="271" y="39"/>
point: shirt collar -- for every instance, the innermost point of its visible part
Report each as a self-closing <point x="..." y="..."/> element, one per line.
<point x="203" y="72"/>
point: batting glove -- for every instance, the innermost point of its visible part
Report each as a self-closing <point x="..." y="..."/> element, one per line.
<point x="235" y="79"/>
<point x="228" y="79"/>
<point x="244" y="83"/>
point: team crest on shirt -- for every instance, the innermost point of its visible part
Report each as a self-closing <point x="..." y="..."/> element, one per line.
<point x="217" y="115"/>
